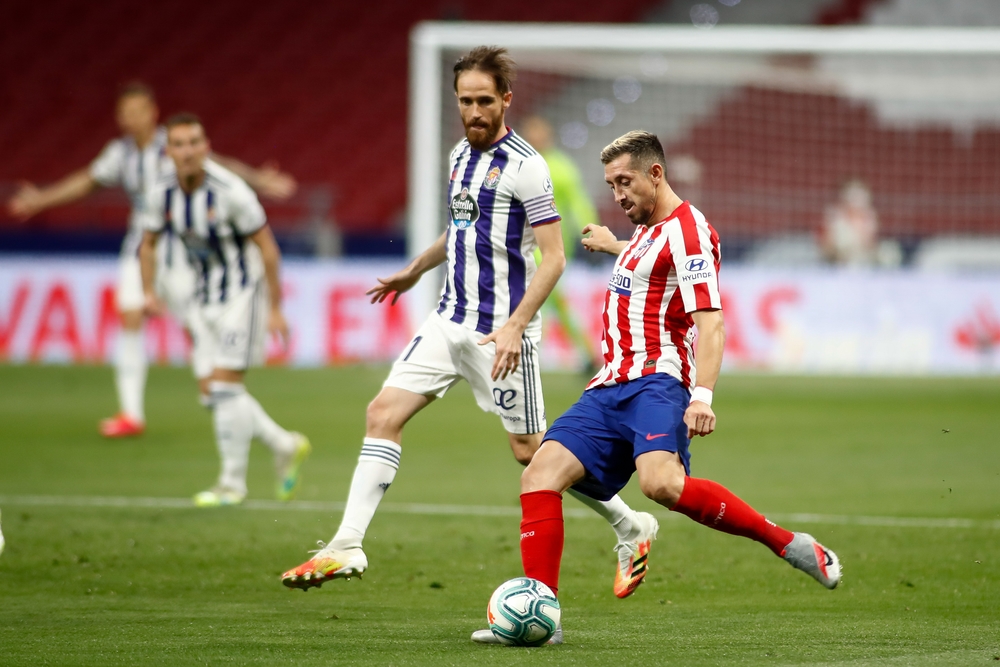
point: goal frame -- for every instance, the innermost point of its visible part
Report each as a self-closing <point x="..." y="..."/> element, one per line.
<point x="429" y="39"/>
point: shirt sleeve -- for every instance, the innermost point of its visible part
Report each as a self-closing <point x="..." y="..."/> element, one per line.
<point x="107" y="167"/>
<point x="694" y="250"/>
<point x="152" y="217"/>
<point x="248" y="215"/>
<point x="534" y="189"/>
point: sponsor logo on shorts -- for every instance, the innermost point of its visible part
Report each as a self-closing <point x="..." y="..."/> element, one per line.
<point x="511" y="418"/>
<point x="650" y="436"/>
<point x="504" y="398"/>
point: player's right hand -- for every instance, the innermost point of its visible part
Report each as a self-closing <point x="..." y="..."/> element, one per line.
<point x="700" y="419"/>
<point x="152" y="306"/>
<point x="397" y="283"/>
<point x="601" y="239"/>
<point x="26" y="202"/>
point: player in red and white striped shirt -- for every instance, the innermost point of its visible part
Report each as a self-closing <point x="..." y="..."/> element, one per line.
<point x="640" y="410"/>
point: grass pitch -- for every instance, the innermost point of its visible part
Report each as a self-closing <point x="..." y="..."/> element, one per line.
<point x="905" y="473"/>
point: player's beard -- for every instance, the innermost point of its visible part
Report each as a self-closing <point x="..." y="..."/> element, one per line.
<point x="482" y="133"/>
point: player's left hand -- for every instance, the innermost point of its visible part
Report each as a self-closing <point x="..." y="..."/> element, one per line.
<point x="508" y="356"/>
<point x="273" y="183"/>
<point x="26" y="202"/>
<point x="277" y="326"/>
<point x="699" y="418"/>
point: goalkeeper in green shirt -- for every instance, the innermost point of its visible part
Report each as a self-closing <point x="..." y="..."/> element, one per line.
<point x="577" y="212"/>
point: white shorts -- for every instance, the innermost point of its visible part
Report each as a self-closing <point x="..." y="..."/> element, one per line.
<point x="230" y="335"/>
<point x="443" y="352"/>
<point x="175" y="281"/>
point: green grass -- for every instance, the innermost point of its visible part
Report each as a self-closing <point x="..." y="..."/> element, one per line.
<point x="125" y="586"/>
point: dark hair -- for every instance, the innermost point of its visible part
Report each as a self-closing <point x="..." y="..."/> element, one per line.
<point x="135" y="89"/>
<point x="643" y="147"/>
<point x="492" y="60"/>
<point x="183" y="118"/>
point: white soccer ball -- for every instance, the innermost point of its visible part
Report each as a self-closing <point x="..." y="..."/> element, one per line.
<point x="523" y="612"/>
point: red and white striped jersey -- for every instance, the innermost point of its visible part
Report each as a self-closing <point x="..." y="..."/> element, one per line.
<point x="666" y="272"/>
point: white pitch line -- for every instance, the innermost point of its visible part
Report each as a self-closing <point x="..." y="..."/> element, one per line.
<point x="473" y="510"/>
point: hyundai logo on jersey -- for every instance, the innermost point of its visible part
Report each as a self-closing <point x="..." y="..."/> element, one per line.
<point x="464" y="210"/>
<point x="696" y="265"/>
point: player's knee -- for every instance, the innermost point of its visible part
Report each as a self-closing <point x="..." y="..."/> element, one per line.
<point x="381" y="418"/>
<point x="663" y="489"/>
<point x="531" y="478"/>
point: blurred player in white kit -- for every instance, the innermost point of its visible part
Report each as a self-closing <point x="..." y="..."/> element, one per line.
<point x="236" y="261"/>
<point x="135" y="161"/>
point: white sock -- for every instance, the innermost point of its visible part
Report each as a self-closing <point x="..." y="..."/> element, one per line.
<point x="130" y="374"/>
<point x="615" y="512"/>
<point x="374" y="473"/>
<point x="233" y="418"/>
<point x="276" y="438"/>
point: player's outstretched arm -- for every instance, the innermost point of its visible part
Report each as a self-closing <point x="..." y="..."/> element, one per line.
<point x="403" y="280"/>
<point x="267" y="180"/>
<point x="508" y="337"/>
<point x="602" y="239"/>
<point x="699" y="416"/>
<point x="147" y="265"/>
<point x="30" y="200"/>
<point x="271" y="256"/>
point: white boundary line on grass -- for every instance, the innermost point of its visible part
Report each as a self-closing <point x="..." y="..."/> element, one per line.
<point x="470" y="510"/>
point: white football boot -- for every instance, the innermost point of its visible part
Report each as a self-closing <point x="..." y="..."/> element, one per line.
<point x="327" y="564"/>
<point x="487" y="637"/>
<point x="808" y="555"/>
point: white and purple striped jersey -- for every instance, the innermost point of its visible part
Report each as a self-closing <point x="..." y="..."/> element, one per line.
<point x="495" y="198"/>
<point x="214" y="222"/>
<point x="136" y="170"/>
<point x="666" y="272"/>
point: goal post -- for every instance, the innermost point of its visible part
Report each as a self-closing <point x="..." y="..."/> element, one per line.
<point x="774" y="118"/>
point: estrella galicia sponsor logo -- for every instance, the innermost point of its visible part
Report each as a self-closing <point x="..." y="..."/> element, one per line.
<point x="620" y="283"/>
<point x="697" y="264"/>
<point x="492" y="179"/>
<point x="504" y="398"/>
<point x="464" y="209"/>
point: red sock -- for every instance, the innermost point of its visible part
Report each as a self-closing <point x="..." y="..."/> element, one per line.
<point x="715" y="506"/>
<point x="542" y="536"/>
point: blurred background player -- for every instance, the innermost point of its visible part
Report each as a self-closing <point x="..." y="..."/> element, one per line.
<point x="849" y="236"/>
<point x="134" y="162"/>
<point x="577" y="211"/>
<point x="641" y="409"/>
<point x="501" y="208"/>
<point x="237" y="261"/>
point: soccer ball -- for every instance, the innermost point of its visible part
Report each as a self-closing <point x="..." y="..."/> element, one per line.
<point x="523" y="612"/>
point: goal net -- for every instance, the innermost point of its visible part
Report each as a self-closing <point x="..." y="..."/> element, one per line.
<point x="762" y="127"/>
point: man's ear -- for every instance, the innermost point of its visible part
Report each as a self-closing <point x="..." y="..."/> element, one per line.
<point x="656" y="172"/>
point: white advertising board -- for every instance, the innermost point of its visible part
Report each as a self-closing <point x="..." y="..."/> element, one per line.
<point x="57" y="310"/>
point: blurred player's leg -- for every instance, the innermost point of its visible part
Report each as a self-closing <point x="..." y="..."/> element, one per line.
<point x="130" y="357"/>
<point x="232" y="417"/>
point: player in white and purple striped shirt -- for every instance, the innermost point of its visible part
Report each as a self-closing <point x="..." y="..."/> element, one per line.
<point x="487" y="328"/>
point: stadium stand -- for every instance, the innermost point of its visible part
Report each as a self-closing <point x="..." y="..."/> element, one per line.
<point x="321" y="88"/>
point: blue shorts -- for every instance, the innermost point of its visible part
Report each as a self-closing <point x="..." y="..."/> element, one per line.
<point x="609" y="427"/>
